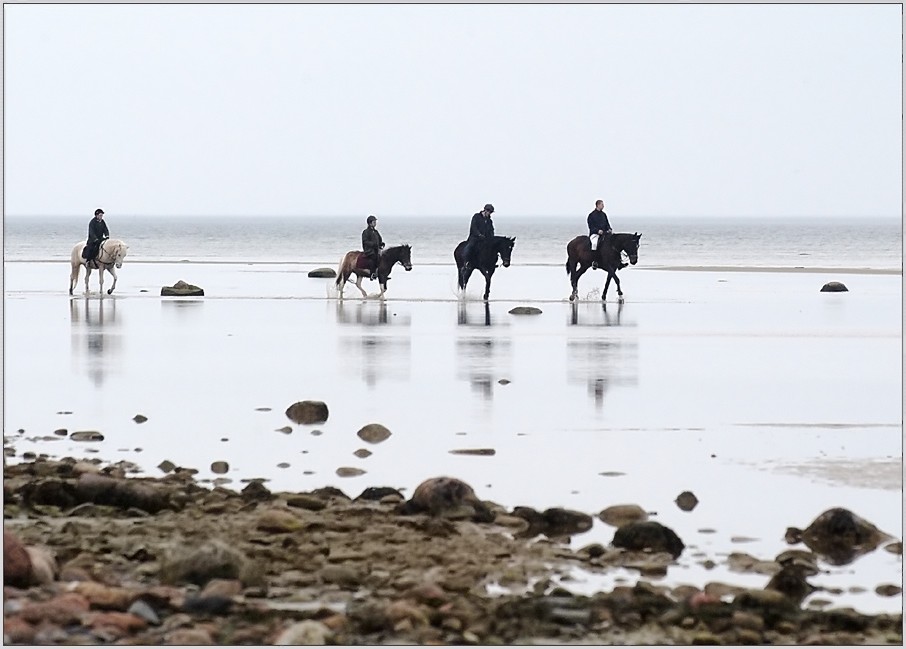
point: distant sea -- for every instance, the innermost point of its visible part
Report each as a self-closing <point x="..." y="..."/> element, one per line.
<point x="855" y="243"/>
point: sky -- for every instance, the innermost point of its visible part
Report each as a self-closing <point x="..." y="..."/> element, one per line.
<point x="433" y="110"/>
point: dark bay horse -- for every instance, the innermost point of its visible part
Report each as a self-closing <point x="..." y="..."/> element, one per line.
<point x="579" y="257"/>
<point x="486" y="254"/>
<point x="352" y="263"/>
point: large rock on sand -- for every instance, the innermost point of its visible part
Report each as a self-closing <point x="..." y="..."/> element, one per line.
<point x="182" y="288"/>
<point x="16" y="562"/>
<point x="446" y="497"/>
<point x="839" y="536"/>
<point x="322" y="272"/>
<point x="648" y="535"/>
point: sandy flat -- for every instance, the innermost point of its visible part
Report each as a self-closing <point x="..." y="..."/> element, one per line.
<point x="763" y="396"/>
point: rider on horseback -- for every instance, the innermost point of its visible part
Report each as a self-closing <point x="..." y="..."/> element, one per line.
<point x="598" y="226"/>
<point x="372" y="244"/>
<point x="97" y="232"/>
<point x="481" y="229"/>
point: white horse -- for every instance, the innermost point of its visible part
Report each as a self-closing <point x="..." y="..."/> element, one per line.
<point x="110" y="257"/>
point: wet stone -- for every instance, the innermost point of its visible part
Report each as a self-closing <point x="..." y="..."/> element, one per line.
<point x="86" y="436"/>
<point x="686" y="501"/>
<point x="349" y="472"/>
<point x="139" y="419"/>
<point x="308" y="412"/>
<point x="220" y="467"/>
<point x="374" y="433"/>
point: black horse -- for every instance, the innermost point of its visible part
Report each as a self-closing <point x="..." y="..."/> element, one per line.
<point x="579" y="257"/>
<point x="485" y="259"/>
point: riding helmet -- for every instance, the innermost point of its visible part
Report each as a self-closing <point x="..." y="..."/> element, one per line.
<point x="371" y="219"/>
<point x="489" y="208"/>
<point x="98" y="211"/>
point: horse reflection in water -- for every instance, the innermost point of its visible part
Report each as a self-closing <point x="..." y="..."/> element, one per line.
<point x="92" y="322"/>
<point x="380" y="354"/>
<point x="601" y="361"/>
<point x="464" y="318"/>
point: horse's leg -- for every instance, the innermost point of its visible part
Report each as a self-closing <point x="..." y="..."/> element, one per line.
<point x="574" y="278"/>
<point x="617" y="282"/>
<point x="610" y="275"/>
<point x="101" y="280"/>
<point x="358" y="285"/>
<point x="74" y="276"/>
<point x="87" y="275"/>
<point x="487" y="284"/>
<point x="112" y="270"/>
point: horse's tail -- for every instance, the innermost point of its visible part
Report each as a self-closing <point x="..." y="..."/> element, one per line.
<point x="340" y="279"/>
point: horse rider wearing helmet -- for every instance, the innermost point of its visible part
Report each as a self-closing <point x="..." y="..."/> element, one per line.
<point x="372" y="244"/>
<point x="97" y="232"/>
<point x="481" y="229"/>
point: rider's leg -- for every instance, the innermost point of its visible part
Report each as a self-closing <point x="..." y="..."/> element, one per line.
<point x="594" y="250"/>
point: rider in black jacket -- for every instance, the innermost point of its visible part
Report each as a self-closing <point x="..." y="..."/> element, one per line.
<point x="372" y="244"/>
<point x="97" y="232"/>
<point x="598" y="226"/>
<point x="480" y="229"/>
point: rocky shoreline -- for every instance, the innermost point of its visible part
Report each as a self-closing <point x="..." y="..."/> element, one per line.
<point x="94" y="556"/>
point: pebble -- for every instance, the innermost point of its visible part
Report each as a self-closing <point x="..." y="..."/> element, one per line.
<point x="309" y="632"/>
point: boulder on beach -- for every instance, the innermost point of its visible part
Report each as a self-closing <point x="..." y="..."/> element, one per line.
<point x="648" y="535"/>
<point x="839" y="535"/>
<point x="446" y="497"/>
<point x="834" y="287"/>
<point x="308" y="412"/>
<point x="182" y="288"/>
<point x="16" y="562"/>
<point x="620" y="515"/>
<point x="686" y="501"/>
<point x="553" y="522"/>
<point x="322" y="272"/>
<point x="200" y="563"/>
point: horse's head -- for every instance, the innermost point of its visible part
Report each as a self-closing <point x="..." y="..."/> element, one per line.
<point x="119" y="254"/>
<point x="400" y="254"/>
<point x="505" y="248"/>
<point x="406" y="256"/>
<point x="630" y="245"/>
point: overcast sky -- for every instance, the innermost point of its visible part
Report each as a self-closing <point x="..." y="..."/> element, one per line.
<point x="669" y="110"/>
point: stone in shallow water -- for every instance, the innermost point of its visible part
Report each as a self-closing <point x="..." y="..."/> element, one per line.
<point x="182" y="288"/>
<point x="686" y="501"/>
<point x="322" y="272"/>
<point x="349" y="472"/>
<point x="374" y="433"/>
<point x="220" y="467"/>
<point x="473" y="451"/>
<point x="525" y="310"/>
<point x="86" y="436"/>
<point x="834" y="287"/>
<point x="139" y="419"/>
<point x="619" y="515"/>
<point x="308" y="412"/>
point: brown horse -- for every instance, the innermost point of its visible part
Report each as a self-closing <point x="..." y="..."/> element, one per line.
<point x="355" y="262"/>
<point x="579" y="257"/>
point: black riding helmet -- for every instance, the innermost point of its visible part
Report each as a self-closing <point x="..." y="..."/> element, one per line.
<point x="489" y="208"/>
<point x="371" y="219"/>
<point x="98" y="211"/>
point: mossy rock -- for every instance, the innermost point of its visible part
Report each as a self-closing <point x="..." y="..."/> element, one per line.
<point x="322" y="272"/>
<point x="183" y="289"/>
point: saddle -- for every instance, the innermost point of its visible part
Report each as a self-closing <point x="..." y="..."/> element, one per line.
<point x="362" y="262"/>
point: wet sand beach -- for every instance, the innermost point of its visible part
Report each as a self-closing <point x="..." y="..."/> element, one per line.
<point x="769" y="400"/>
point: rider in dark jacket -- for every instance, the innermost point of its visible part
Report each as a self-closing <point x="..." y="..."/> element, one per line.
<point x="97" y="232"/>
<point x="480" y="229"/>
<point x="372" y="244"/>
<point x="598" y="226"/>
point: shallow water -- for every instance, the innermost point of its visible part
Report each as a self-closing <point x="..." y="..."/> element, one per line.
<point x="769" y="400"/>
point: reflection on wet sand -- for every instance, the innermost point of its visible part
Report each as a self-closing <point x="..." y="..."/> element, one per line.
<point x="93" y="326"/>
<point x="379" y="355"/>
<point x="604" y="360"/>
<point x="481" y="358"/>
<point x="474" y="314"/>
